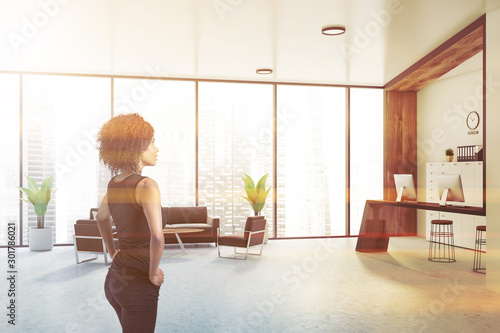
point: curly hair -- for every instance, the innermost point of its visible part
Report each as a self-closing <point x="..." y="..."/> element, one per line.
<point x="122" y="140"/>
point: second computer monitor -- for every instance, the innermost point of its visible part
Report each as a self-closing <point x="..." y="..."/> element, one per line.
<point x="450" y="188"/>
<point x="405" y="187"/>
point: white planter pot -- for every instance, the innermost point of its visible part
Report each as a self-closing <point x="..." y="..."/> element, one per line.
<point x="40" y="239"/>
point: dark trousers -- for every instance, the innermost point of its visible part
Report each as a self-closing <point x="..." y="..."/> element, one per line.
<point x="135" y="300"/>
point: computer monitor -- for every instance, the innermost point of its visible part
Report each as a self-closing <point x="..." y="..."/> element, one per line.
<point x="450" y="189"/>
<point x="405" y="187"/>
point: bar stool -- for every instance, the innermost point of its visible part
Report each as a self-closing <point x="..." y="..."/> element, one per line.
<point x="441" y="245"/>
<point x="480" y="241"/>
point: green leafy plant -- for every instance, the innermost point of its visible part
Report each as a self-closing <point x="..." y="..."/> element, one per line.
<point x="256" y="194"/>
<point x="39" y="197"/>
<point x="449" y="152"/>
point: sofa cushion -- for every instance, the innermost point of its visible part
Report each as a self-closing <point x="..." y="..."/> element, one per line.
<point x="178" y="215"/>
<point x="233" y="240"/>
<point x="164" y="216"/>
<point x="92" y="222"/>
<point x="204" y="226"/>
<point x="90" y="225"/>
<point x="87" y="228"/>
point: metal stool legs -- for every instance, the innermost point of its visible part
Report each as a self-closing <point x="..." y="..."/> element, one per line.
<point x="441" y="245"/>
<point x="480" y="241"/>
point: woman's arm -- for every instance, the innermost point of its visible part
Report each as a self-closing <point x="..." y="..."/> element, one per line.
<point x="148" y="195"/>
<point x="105" y="226"/>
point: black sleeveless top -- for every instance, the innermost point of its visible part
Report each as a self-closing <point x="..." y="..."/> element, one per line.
<point x="131" y="225"/>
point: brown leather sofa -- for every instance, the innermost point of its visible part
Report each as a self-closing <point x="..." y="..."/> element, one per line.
<point x="87" y="238"/>
<point x="191" y="218"/>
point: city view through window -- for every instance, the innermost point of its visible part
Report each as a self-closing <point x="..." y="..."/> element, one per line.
<point x="312" y="161"/>
<point x="235" y="138"/>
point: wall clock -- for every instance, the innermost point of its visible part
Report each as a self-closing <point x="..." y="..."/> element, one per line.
<point x="472" y="120"/>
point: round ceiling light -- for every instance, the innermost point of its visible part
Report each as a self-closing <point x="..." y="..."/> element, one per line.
<point x="264" y="71"/>
<point x="333" y="30"/>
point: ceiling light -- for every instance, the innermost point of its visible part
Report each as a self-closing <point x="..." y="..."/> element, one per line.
<point x="264" y="71"/>
<point x="333" y="30"/>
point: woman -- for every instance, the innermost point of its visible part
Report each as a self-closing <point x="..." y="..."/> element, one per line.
<point x="132" y="203"/>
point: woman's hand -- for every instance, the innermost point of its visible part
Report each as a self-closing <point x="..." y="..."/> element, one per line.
<point x="114" y="255"/>
<point x="157" y="278"/>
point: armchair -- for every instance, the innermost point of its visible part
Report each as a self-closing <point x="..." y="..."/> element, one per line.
<point x="87" y="239"/>
<point x="252" y="236"/>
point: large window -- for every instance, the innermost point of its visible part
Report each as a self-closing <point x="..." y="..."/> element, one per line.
<point x="61" y="118"/>
<point x="235" y="137"/>
<point x="9" y="163"/>
<point x="367" y="151"/>
<point x="311" y="161"/>
<point x="207" y="143"/>
<point x="170" y="107"/>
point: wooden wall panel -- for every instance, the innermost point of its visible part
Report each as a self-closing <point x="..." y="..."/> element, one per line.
<point x="400" y="149"/>
<point x="400" y="137"/>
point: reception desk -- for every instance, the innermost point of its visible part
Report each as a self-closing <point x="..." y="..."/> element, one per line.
<point x="382" y="219"/>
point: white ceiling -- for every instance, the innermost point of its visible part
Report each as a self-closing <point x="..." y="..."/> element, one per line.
<point x="229" y="39"/>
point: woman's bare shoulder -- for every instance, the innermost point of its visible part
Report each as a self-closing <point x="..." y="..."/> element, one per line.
<point x="147" y="183"/>
<point x="147" y="191"/>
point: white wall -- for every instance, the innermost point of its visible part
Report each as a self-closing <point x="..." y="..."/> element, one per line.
<point x="442" y="109"/>
<point x="493" y="140"/>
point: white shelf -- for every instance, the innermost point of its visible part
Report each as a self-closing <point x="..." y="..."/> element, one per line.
<point x="464" y="226"/>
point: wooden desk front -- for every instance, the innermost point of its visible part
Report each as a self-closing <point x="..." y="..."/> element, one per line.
<point x="381" y="221"/>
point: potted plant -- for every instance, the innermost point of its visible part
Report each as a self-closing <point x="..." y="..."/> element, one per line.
<point x="449" y="154"/>
<point x="256" y="194"/>
<point x="40" y="237"/>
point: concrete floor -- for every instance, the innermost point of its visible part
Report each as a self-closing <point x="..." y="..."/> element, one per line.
<point x="310" y="285"/>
